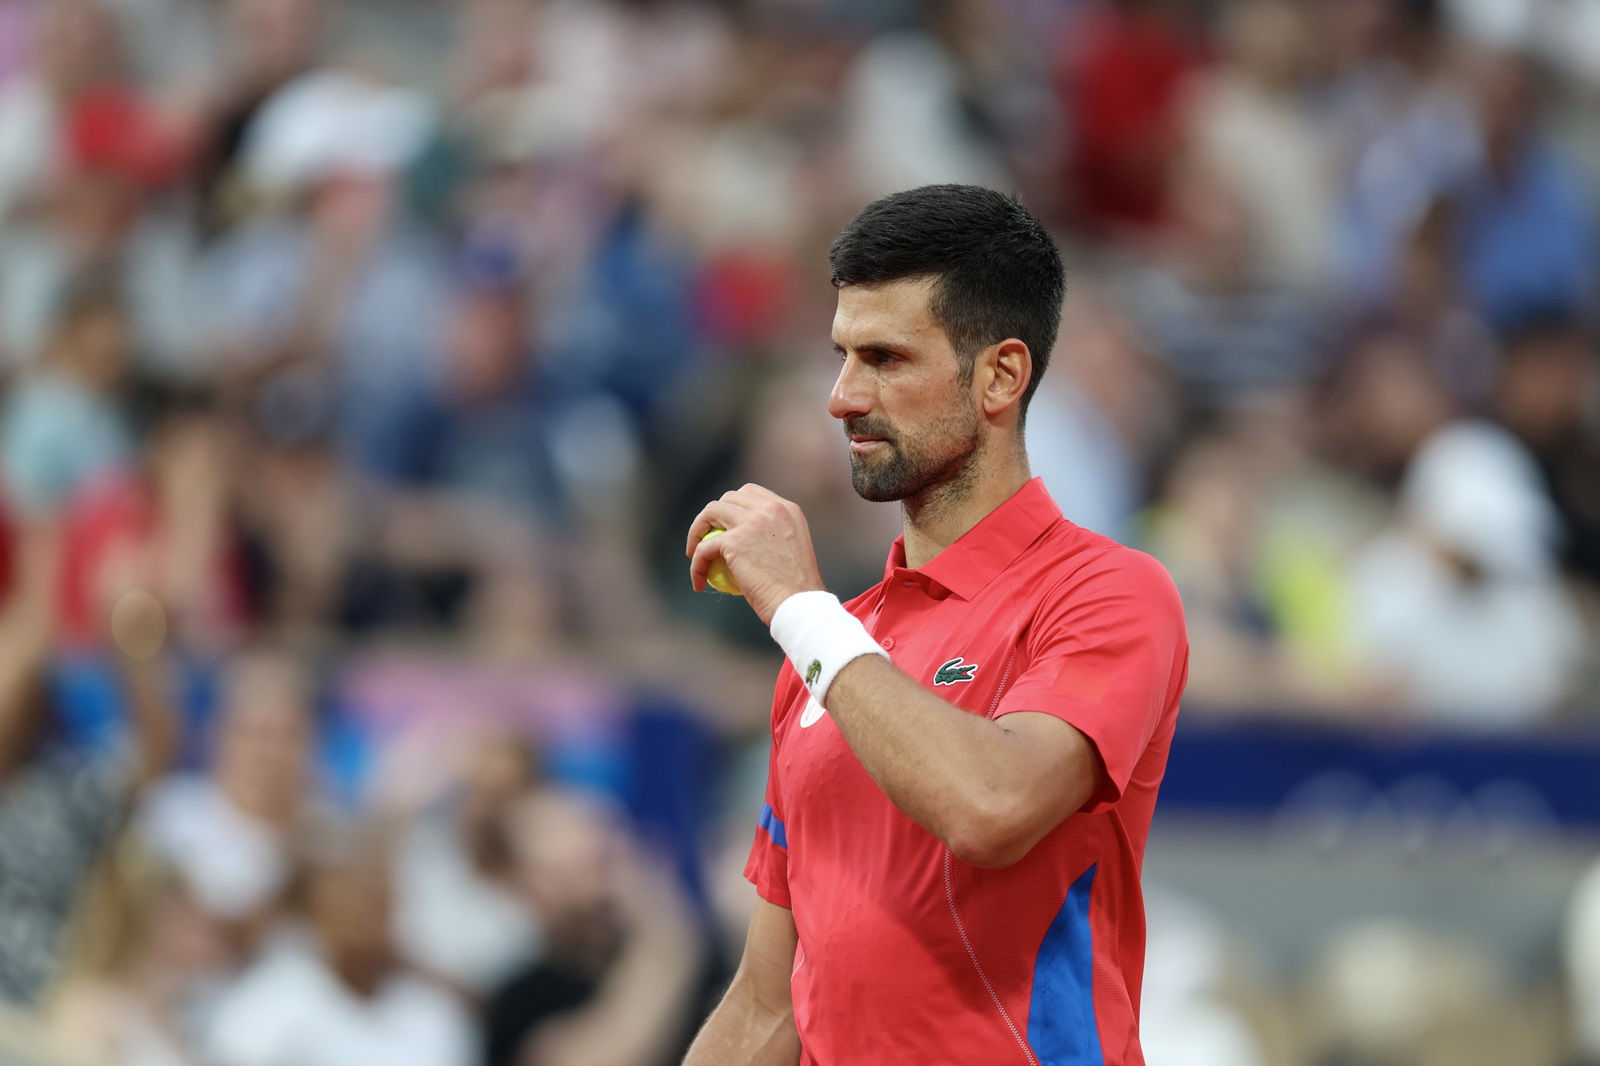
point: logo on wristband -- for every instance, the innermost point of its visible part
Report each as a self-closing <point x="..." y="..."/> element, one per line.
<point x="813" y="672"/>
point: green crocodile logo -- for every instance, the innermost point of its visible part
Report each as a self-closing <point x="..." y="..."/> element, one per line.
<point x="813" y="672"/>
<point x="954" y="672"/>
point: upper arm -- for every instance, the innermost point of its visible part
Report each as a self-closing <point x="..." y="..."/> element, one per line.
<point x="768" y="866"/>
<point x="1048" y="770"/>
<point x="768" y="962"/>
<point x="1058" y="768"/>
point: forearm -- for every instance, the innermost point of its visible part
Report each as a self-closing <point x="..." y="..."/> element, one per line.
<point x="745" y="1032"/>
<point x="939" y="764"/>
<point x="23" y="696"/>
<point x="973" y="782"/>
<point x="27" y="631"/>
<point x="153" y="718"/>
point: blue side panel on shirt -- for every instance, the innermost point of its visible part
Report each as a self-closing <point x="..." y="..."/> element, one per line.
<point x="774" y="828"/>
<point x="1061" y="1023"/>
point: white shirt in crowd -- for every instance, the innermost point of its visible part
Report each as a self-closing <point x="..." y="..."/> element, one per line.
<point x="230" y="860"/>
<point x="289" y="1009"/>
<point x="455" y="922"/>
<point x="1502" y="649"/>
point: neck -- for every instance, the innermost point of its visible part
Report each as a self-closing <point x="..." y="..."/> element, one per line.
<point x="939" y="516"/>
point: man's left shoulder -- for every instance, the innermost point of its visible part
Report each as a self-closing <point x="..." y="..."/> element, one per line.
<point x="1074" y="560"/>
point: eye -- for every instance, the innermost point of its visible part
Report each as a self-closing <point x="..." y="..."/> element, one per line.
<point x="879" y="358"/>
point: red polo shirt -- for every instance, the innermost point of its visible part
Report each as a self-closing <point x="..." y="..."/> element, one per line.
<point x="907" y="954"/>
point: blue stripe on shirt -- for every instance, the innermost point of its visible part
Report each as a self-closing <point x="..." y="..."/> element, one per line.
<point x="774" y="827"/>
<point x="1061" y="1022"/>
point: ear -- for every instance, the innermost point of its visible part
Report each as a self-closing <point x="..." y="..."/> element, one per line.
<point x="1003" y="371"/>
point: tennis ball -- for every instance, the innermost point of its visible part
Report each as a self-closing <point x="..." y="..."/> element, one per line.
<point x="138" y="625"/>
<point x="719" y="576"/>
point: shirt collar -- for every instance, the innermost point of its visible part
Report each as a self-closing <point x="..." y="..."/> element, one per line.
<point x="986" y="549"/>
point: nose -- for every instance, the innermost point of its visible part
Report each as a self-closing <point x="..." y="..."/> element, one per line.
<point x="850" y="397"/>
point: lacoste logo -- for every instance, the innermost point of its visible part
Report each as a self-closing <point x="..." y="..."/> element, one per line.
<point x="813" y="672"/>
<point x="954" y="672"/>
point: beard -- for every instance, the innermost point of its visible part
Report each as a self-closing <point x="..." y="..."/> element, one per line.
<point x="939" y="457"/>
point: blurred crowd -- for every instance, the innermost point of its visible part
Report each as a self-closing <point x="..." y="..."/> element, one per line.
<point x="364" y="362"/>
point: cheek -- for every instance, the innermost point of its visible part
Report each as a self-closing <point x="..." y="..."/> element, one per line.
<point x="941" y="407"/>
<point x="920" y="397"/>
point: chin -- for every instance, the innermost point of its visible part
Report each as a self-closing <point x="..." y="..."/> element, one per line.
<point x="873" y="488"/>
<point x="876" y="494"/>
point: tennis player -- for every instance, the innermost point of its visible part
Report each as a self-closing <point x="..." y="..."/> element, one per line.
<point x="965" y="758"/>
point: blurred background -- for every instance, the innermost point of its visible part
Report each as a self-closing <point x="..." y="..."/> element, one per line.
<point x="364" y="362"/>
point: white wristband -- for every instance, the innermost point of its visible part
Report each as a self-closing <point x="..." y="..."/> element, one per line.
<point x="821" y="638"/>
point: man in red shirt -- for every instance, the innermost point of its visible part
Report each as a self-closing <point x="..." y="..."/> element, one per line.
<point x="965" y="758"/>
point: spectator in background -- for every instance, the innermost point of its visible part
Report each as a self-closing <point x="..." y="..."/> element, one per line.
<point x="1404" y="133"/>
<point x="1221" y="325"/>
<point x="1429" y="305"/>
<point x="910" y="114"/>
<point x="265" y="44"/>
<point x="1257" y="529"/>
<point x="619" y="346"/>
<point x="1124" y="74"/>
<point x="1212" y="527"/>
<point x="167" y="516"/>
<point x="59" y="804"/>
<point x="1100" y="417"/>
<point x="460" y="914"/>
<point x="300" y="514"/>
<point x="621" y="962"/>
<point x="483" y="431"/>
<point x="334" y="993"/>
<point x="231" y="833"/>
<point x="1379" y="402"/>
<point x="143" y="957"/>
<point x="1546" y="396"/>
<point x="614" y="68"/>
<point x="334" y="297"/>
<point x="491" y="66"/>
<point x="64" y="425"/>
<point x="1250" y="122"/>
<point x="1459" y="604"/>
<point x="73" y="45"/>
<point x="97" y="210"/>
<point x="1526" y="240"/>
<point x="472" y="499"/>
<point x="172" y="45"/>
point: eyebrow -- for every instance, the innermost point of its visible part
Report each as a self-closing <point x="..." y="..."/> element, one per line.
<point x="876" y="346"/>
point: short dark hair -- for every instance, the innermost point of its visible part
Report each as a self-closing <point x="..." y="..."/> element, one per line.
<point x="996" y="271"/>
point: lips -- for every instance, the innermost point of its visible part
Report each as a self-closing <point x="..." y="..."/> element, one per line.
<point x="861" y="441"/>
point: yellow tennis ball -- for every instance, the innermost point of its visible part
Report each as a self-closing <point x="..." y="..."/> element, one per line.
<point x="719" y="576"/>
